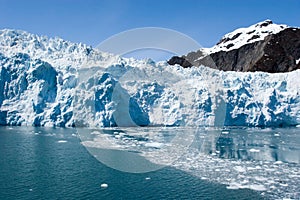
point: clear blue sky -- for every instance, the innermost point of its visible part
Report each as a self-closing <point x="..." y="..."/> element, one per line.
<point x="92" y="21"/>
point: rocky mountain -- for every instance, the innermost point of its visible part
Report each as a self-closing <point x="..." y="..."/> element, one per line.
<point x="263" y="47"/>
<point x="53" y="82"/>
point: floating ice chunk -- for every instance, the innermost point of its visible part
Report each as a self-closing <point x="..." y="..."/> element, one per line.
<point x="276" y="135"/>
<point x="271" y="182"/>
<point x="278" y="162"/>
<point x="239" y="168"/>
<point x="95" y="133"/>
<point x="154" y="144"/>
<point x="259" y="178"/>
<point x="104" y="185"/>
<point x="62" y="141"/>
<point x="257" y="187"/>
<point x="147" y="178"/>
<point x="117" y="136"/>
<point x="272" y="187"/>
<point x="233" y="186"/>
<point x="254" y="150"/>
<point x="121" y="134"/>
<point x="225" y="132"/>
<point x="284" y="184"/>
<point x="298" y="126"/>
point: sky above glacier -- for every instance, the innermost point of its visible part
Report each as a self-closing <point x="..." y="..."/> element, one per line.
<point x="91" y="21"/>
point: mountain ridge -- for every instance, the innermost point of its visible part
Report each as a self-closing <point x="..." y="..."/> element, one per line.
<point x="263" y="47"/>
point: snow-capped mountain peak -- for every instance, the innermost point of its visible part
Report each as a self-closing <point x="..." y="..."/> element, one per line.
<point x="242" y="36"/>
<point x="264" y="46"/>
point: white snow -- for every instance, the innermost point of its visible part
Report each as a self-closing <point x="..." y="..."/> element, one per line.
<point x="246" y="35"/>
<point x="62" y="141"/>
<point x="297" y="61"/>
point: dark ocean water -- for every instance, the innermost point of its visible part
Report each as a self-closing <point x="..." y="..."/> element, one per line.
<point x="49" y="163"/>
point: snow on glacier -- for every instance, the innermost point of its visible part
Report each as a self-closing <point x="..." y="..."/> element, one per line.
<point x="52" y="82"/>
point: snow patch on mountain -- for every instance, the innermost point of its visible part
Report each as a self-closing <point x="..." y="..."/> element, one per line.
<point x="53" y="82"/>
<point x="243" y="36"/>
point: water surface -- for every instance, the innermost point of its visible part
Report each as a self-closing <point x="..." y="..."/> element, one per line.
<point x="52" y="163"/>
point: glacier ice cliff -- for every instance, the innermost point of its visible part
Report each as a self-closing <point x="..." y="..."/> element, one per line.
<point x="52" y="82"/>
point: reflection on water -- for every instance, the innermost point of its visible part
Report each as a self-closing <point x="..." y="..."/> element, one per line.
<point x="255" y="144"/>
<point x="225" y="147"/>
<point x="265" y="160"/>
<point x="170" y="143"/>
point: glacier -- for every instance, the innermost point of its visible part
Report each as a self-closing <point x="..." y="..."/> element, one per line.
<point x="52" y="82"/>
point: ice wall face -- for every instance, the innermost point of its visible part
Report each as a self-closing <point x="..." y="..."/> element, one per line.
<point x="27" y="86"/>
<point x="262" y="99"/>
<point x="52" y="82"/>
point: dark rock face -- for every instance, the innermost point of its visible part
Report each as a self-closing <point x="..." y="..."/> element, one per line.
<point x="280" y="52"/>
<point x="275" y="53"/>
<point x="179" y="60"/>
